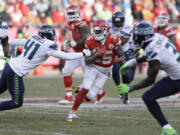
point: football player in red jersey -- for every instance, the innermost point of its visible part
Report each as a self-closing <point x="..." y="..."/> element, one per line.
<point x="163" y="27"/>
<point x="104" y="47"/>
<point x="78" y="30"/>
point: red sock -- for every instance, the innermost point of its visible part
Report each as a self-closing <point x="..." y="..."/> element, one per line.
<point x="99" y="96"/>
<point x="79" y="98"/>
<point x="67" y="81"/>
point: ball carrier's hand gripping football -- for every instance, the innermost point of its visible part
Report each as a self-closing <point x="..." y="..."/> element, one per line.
<point x="101" y="51"/>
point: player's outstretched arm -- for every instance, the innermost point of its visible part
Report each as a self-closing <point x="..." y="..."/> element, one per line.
<point x="153" y="69"/>
<point x="17" y="42"/>
<point x="68" y="56"/>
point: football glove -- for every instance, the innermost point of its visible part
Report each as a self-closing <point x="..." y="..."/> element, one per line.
<point x="122" y="89"/>
<point x="5" y="58"/>
<point x="123" y="69"/>
<point x="86" y="52"/>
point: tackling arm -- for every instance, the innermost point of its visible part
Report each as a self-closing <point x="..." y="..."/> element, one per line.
<point x="152" y="72"/>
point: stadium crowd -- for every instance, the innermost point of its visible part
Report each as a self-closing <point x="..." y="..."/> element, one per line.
<point x="24" y="16"/>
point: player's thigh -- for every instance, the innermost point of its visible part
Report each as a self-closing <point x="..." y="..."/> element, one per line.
<point x="89" y="77"/>
<point x="100" y="80"/>
<point x="15" y="86"/>
<point x="70" y="66"/>
<point x="162" y="88"/>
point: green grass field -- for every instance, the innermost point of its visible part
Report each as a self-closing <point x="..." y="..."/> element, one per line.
<point x="31" y="120"/>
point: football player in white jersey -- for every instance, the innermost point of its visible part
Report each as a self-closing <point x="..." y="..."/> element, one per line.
<point x="158" y="49"/>
<point x="37" y="48"/>
<point x="118" y="26"/>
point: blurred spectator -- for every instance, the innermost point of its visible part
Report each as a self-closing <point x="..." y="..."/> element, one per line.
<point x="58" y="16"/>
<point x="160" y="9"/>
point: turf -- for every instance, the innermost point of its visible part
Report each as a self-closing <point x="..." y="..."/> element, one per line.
<point x="42" y="121"/>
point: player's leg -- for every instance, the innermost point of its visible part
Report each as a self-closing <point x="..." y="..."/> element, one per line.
<point x="100" y="81"/>
<point x="116" y="73"/>
<point x="88" y="80"/>
<point x="162" y="88"/>
<point x="16" y="89"/>
<point x="69" y="67"/>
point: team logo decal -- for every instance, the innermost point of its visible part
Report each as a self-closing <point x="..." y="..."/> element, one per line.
<point x="111" y="46"/>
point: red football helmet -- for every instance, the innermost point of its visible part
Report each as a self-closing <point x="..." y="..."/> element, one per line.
<point x="73" y="13"/>
<point x="100" y="30"/>
<point x="163" y="19"/>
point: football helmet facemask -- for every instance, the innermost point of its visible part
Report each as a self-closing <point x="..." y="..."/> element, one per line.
<point x="163" y="19"/>
<point x="100" y="30"/>
<point x="118" y="19"/>
<point x="73" y="13"/>
<point x="143" y="33"/>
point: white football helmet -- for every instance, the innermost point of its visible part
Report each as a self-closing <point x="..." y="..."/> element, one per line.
<point x="73" y="13"/>
<point x="163" y="19"/>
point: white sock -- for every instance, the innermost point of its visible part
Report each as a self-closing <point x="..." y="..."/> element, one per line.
<point x="168" y="126"/>
<point x="69" y="93"/>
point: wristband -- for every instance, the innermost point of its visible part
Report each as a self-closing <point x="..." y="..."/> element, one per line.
<point x="131" y="88"/>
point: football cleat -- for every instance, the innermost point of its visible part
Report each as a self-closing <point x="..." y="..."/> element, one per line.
<point x="71" y="116"/>
<point x="167" y="131"/>
<point x="66" y="100"/>
<point x="125" y="99"/>
<point x="99" y="98"/>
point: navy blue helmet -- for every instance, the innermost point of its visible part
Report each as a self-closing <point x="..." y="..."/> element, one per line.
<point x="118" y="19"/>
<point x="142" y="33"/>
<point x="47" y="31"/>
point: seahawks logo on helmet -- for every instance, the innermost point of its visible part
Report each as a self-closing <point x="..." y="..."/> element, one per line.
<point x="47" y="31"/>
<point x="143" y="33"/>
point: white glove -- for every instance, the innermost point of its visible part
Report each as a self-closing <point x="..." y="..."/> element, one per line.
<point x="86" y="52"/>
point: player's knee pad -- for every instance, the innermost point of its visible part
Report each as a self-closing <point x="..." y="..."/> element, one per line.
<point x="66" y="71"/>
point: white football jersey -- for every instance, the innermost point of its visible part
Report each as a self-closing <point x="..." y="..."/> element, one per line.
<point x="133" y="49"/>
<point x="163" y="50"/>
<point x="122" y="31"/>
<point x="36" y="51"/>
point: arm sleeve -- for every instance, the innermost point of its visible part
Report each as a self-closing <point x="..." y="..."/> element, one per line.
<point x="64" y="55"/>
<point x="16" y="42"/>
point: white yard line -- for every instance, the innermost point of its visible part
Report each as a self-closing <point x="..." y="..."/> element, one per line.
<point x="32" y="132"/>
<point x="94" y="115"/>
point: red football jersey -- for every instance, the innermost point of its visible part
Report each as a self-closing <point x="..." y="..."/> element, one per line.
<point x="74" y="32"/>
<point x="106" y="60"/>
<point x="167" y="31"/>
